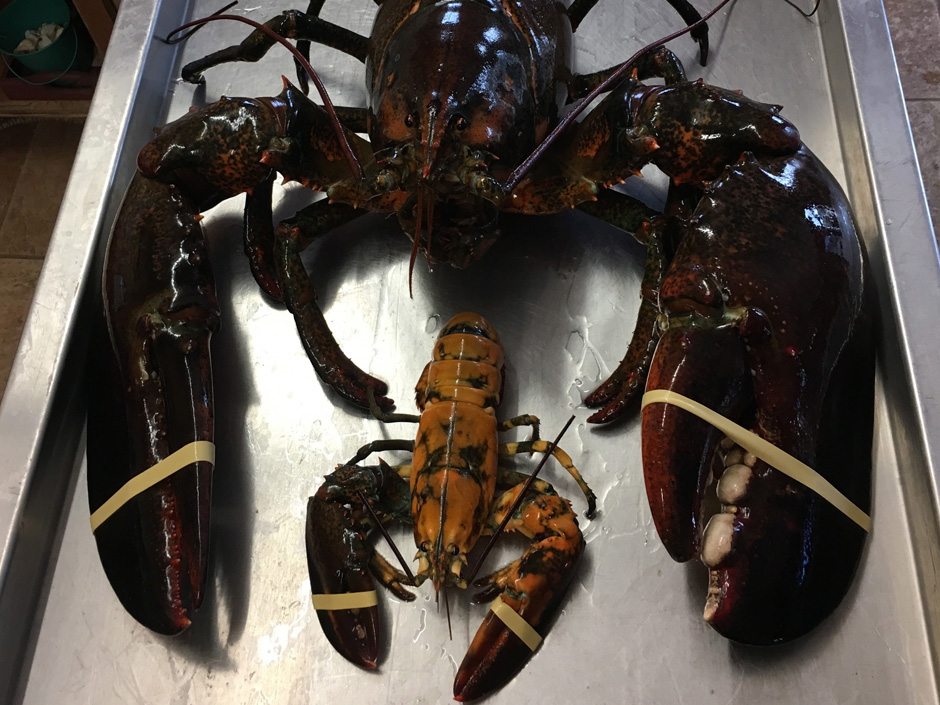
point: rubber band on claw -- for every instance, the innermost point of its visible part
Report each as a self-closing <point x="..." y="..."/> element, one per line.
<point x="516" y="624"/>
<point x="345" y="601"/>
<point x="195" y="452"/>
<point x="766" y="451"/>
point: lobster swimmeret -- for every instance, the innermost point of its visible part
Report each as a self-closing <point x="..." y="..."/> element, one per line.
<point x="753" y="296"/>
<point x="449" y="494"/>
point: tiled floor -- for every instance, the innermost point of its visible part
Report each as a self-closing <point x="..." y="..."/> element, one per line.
<point x="36" y="159"/>
<point x="915" y="28"/>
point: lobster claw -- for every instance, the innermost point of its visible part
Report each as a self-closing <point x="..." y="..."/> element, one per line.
<point x="335" y="569"/>
<point x="340" y="556"/>
<point x="497" y="652"/>
<point x="513" y="628"/>
<point x="780" y="557"/>
<point x="152" y="398"/>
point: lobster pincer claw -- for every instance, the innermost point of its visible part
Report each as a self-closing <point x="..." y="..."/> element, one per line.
<point x="766" y="344"/>
<point x="150" y="419"/>
<point x="528" y="594"/>
<point x="340" y="557"/>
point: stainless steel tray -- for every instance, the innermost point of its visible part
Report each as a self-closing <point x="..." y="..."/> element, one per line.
<point x="562" y="291"/>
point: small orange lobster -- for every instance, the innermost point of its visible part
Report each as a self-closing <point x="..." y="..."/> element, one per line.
<point x="452" y="502"/>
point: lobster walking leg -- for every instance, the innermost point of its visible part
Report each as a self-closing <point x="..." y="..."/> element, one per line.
<point x="292" y="238"/>
<point x="291" y="25"/>
<point x="259" y="238"/>
<point x="580" y="8"/>
<point x="622" y="385"/>
<point x="559" y="455"/>
<point x="659" y="63"/>
<point x="532" y="586"/>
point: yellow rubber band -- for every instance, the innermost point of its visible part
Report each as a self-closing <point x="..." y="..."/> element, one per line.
<point x="345" y="600"/>
<point x="766" y="451"/>
<point x="517" y="625"/>
<point x="195" y="452"/>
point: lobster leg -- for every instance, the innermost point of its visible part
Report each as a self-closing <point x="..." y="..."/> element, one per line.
<point x="292" y="238"/>
<point x="580" y="8"/>
<point x="621" y="387"/>
<point x="659" y="63"/>
<point x="259" y="238"/>
<point x="660" y="235"/>
<point x="303" y="45"/>
<point x="533" y="586"/>
<point x="562" y="457"/>
<point x="377" y="446"/>
<point x="154" y="357"/>
<point x="339" y="555"/>
<point x="523" y="420"/>
<point x="291" y="25"/>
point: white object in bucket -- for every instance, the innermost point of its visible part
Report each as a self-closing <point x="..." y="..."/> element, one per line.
<point x="37" y="39"/>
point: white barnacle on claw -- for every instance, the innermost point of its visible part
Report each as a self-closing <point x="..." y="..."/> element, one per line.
<point x="732" y="486"/>
<point x="716" y="543"/>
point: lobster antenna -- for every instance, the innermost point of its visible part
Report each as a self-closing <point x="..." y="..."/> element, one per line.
<point x="450" y="632"/>
<point x="190" y="33"/>
<point x="602" y="87"/>
<point x="354" y="164"/>
<point x="807" y="15"/>
<point x="388" y="538"/>
<point x="517" y="501"/>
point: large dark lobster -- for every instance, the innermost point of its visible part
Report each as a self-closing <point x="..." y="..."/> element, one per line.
<point x="761" y="308"/>
<point x="449" y="493"/>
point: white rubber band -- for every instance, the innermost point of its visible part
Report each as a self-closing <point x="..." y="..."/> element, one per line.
<point x="517" y="625"/>
<point x="345" y="600"/>
<point x="766" y="451"/>
<point x="195" y="452"/>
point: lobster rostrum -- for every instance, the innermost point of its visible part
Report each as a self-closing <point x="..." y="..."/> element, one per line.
<point x="459" y="93"/>
<point x="449" y="493"/>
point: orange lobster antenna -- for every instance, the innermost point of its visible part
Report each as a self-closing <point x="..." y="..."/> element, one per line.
<point x="450" y="632"/>
<point x="602" y="87"/>
<point x="354" y="164"/>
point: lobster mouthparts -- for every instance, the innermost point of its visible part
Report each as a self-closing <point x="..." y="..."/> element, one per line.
<point x="786" y="350"/>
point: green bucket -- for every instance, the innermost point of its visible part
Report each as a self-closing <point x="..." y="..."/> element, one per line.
<point x="22" y="15"/>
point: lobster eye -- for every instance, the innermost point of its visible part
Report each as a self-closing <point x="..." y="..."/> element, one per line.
<point x="454" y="549"/>
<point x="461" y="123"/>
<point x="411" y="120"/>
<point x="425" y="547"/>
